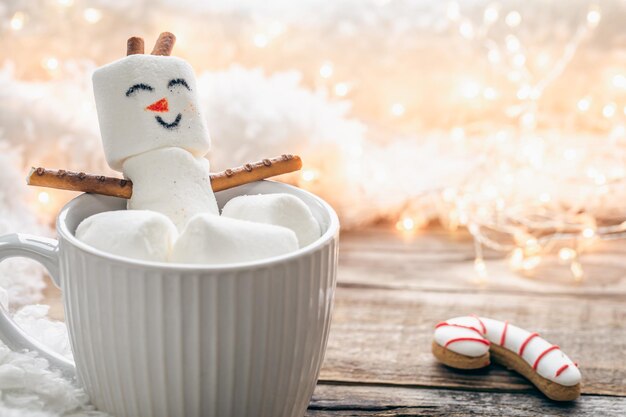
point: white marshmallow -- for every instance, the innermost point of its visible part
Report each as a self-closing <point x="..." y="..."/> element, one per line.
<point x="279" y="209"/>
<point x="125" y="88"/>
<point x="137" y="234"/>
<point x="211" y="239"/>
<point x="171" y="181"/>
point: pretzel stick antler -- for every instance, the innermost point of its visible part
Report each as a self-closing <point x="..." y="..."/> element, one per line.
<point x="134" y="46"/>
<point x="164" y="44"/>
<point x="118" y="187"/>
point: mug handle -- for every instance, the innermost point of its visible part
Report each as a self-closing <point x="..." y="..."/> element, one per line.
<point x="44" y="251"/>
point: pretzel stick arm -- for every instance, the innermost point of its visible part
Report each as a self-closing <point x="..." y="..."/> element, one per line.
<point x="119" y="187"/>
<point x="255" y="171"/>
<point x="80" y="181"/>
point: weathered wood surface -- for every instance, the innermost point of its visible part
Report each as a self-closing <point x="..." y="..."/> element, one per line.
<point x="385" y="401"/>
<point x="437" y="260"/>
<point x="393" y="289"/>
<point x="384" y="336"/>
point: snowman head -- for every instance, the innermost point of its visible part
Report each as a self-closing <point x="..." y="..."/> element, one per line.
<point x="146" y="102"/>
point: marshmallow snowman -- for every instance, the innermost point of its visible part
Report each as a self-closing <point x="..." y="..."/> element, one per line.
<point x="154" y="133"/>
<point x="148" y="102"/>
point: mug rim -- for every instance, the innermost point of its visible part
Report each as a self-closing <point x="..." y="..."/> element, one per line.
<point x="66" y="235"/>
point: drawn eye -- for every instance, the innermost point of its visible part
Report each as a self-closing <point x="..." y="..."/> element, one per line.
<point x="178" y="81"/>
<point x="136" y="87"/>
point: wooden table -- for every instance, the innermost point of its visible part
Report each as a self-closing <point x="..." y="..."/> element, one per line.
<point x="393" y="289"/>
<point x="391" y="292"/>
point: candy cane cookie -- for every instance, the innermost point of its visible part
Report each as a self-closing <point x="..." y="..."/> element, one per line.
<point x="469" y="342"/>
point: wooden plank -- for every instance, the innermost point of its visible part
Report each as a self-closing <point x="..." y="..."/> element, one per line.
<point x="375" y="400"/>
<point x="439" y="260"/>
<point x="384" y="336"/>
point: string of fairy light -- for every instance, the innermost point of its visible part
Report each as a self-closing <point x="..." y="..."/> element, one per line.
<point x="529" y="234"/>
<point x="527" y="228"/>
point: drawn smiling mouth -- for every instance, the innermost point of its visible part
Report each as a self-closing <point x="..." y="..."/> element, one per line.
<point x="169" y="125"/>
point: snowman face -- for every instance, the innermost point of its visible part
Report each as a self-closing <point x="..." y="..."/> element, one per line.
<point x="148" y="102"/>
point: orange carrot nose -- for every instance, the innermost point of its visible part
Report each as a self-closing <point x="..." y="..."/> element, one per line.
<point x="159" y="106"/>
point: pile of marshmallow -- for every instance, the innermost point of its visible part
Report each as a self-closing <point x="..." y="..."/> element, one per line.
<point x="153" y="132"/>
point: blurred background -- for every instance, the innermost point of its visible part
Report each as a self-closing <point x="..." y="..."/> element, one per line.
<point x="506" y="118"/>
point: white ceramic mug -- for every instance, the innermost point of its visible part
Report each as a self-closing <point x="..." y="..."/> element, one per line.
<point x="154" y="339"/>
